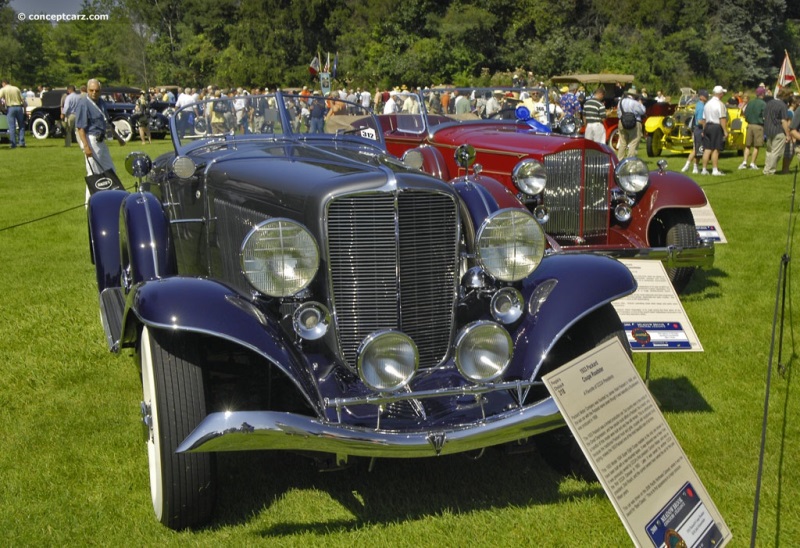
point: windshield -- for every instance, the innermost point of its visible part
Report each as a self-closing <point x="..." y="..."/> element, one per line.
<point x="297" y="116"/>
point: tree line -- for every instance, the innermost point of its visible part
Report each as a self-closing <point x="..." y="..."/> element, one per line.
<point x="666" y="44"/>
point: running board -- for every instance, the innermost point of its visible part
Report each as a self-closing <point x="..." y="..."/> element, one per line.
<point x="112" y="308"/>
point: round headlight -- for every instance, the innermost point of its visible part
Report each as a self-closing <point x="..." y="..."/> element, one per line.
<point x="669" y="122"/>
<point x="510" y="244"/>
<point x="413" y="158"/>
<point x="529" y="176"/>
<point x="279" y="257"/>
<point x="387" y="360"/>
<point x="183" y="166"/>
<point x="483" y="351"/>
<point x="632" y="175"/>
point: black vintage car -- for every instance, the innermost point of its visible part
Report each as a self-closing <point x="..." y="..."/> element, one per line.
<point x="302" y="290"/>
<point x="45" y="120"/>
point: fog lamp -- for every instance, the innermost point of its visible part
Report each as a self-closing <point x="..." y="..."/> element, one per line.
<point x="483" y="351"/>
<point x="387" y="360"/>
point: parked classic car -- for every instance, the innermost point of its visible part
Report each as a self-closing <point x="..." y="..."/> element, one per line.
<point x="45" y="120"/>
<point x="309" y="292"/>
<point x="672" y="131"/>
<point x="586" y="199"/>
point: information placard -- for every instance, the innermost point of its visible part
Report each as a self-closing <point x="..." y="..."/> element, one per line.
<point x="636" y="457"/>
<point x="707" y="225"/>
<point x="653" y="315"/>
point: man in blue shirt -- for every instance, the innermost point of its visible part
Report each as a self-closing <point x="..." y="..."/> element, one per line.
<point x="697" y="132"/>
<point x="90" y="124"/>
<point x="71" y="100"/>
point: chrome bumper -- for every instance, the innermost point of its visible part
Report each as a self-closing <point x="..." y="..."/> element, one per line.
<point x="701" y="255"/>
<point x="258" y="430"/>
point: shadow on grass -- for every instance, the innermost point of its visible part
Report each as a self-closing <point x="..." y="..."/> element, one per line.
<point x="678" y="395"/>
<point x="704" y="284"/>
<point x="395" y="490"/>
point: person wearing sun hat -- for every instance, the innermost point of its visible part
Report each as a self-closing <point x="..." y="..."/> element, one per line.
<point x="629" y="138"/>
<point x="715" y="130"/>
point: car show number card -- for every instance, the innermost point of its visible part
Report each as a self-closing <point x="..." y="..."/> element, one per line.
<point x="642" y="468"/>
<point x="707" y="224"/>
<point x="653" y="316"/>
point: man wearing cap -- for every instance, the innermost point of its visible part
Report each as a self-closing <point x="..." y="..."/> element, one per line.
<point x="776" y="129"/>
<point x="697" y="132"/>
<point x="754" y="115"/>
<point x="594" y="112"/>
<point x="629" y="138"/>
<point x="715" y="130"/>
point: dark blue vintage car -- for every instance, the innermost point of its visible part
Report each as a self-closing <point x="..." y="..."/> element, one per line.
<point x="300" y="289"/>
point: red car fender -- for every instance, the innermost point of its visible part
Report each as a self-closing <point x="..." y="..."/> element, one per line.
<point x="667" y="190"/>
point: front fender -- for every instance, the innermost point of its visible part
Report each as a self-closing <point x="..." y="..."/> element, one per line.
<point x="103" y="215"/>
<point x="145" y="240"/>
<point x="653" y="123"/>
<point x="199" y="305"/>
<point x="667" y="190"/>
<point x="558" y="295"/>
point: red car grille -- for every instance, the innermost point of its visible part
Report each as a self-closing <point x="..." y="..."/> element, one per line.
<point x="577" y="196"/>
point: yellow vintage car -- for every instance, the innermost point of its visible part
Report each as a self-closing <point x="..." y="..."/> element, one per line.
<point x="673" y="132"/>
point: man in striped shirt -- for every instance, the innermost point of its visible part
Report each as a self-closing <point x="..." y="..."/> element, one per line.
<point x="594" y="112"/>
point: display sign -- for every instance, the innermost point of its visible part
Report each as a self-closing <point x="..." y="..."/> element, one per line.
<point x="707" y="225"/>
<point x="653" y="316"/>
<point x="636" y="457"/>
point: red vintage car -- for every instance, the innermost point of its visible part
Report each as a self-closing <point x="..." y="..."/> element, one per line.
<point x="584" y="197"/>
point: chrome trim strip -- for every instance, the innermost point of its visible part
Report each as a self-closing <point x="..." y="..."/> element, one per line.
<point x="466" y="390"/>
<point x="259" y="430"/>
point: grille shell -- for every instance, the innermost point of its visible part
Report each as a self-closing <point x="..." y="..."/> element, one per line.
<point x="577" y="195"/>
<point x="392" y="262"/>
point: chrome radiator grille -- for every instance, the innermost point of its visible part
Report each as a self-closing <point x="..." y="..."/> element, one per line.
<point x="577" y="194"/>
<point x="393" y="259"/>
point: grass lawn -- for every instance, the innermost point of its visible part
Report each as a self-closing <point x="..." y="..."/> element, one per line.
<point x="73" y="468"/>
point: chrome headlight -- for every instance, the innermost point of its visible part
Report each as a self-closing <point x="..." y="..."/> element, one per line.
<point x="632" y="175"/>
<point x="387" y="360"/>
<point x="279" y="257"/>
<point x="669" y="122"/>
<point x="510" y="244"/>
<point x="483" y="351"/>
<point x="529" y="176"/>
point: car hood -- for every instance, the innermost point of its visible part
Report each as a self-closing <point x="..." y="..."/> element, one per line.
<point x="518" y="139"/>
<point x="295" y="179"/>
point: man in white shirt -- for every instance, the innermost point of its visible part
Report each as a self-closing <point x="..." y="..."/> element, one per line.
<point x="715" y="130"/>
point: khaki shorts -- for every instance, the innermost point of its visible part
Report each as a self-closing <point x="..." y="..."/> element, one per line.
<point x="755" y="136"/>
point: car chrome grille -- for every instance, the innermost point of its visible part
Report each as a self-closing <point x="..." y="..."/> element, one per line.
<point x="577" y="195"/>
<point x="392" y="260"/>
